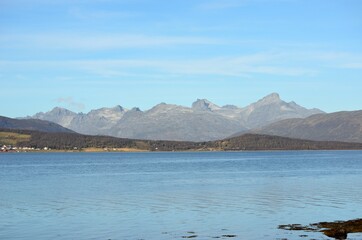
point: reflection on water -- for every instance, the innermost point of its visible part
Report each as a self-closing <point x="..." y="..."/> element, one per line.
<point x="235" y="195"/>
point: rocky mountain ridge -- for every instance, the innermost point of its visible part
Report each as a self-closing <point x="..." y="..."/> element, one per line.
<point x="203" y="121"/>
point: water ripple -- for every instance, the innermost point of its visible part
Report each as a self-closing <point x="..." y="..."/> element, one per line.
<point x="167" y="196"/>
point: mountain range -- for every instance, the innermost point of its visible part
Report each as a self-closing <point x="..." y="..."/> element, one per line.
<point x="203" y="121"/>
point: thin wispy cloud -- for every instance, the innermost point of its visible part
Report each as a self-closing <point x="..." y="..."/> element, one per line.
<point x="335" y="59"/>
<point x="58" y="46"/>
<point x="85" y="14"/>
<point x="101" y="41"/>
<point x="217" y="5"/>
<point x="69" y="102"/>
<point x="352" y="65"/>
<point x="269" y="63"/>
<point x="52" y="2"/>
<point x="276" y="63"/>
<point x="226" y="4"/>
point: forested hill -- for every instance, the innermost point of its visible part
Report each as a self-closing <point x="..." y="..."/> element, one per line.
<point x="71" y="141"/>
<point x="268" y="142"/>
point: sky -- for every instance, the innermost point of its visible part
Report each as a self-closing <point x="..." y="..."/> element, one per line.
<point x="88" y="54"/>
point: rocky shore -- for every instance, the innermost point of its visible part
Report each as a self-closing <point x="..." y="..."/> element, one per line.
<point x="337" y="230"/>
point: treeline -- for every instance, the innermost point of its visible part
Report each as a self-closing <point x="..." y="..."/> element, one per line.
<point x="70" y="141"/>
<point x="267" y="142"/>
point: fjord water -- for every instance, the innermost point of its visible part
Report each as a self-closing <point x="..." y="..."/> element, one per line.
<point x="176" y="195"/>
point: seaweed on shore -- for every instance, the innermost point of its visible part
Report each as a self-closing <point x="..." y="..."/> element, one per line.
<point x="337" y="230"/>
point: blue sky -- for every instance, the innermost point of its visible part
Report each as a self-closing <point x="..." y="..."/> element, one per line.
<point x="86" y="54"/>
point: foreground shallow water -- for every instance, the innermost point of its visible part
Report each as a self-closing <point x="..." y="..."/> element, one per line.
<point x="225" y="195"/>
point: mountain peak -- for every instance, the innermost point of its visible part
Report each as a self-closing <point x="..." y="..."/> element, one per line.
<point x="60" y="110"/>
<point x="273" y="97"/>
<point x="135" y="109"/>
<point x="229" y="106"/>
<point x="161" y="105"/>
<point x="118" y="108"/>
<point x="163" y="108"/>
<point x="204" y="104"/>
<point x="57" y="109"/>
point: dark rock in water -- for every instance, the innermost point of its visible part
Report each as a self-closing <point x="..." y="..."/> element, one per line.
<point x="296" y="227"/>
<point x="226" y="236"/>
<point x="339" y="234"/>
<point x="191" y="236"/>
<point x="337" y="230"/>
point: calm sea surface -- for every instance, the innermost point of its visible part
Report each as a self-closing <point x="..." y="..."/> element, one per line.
<point x="176" y="195"/>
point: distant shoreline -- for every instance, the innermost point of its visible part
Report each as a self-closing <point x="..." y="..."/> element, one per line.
<point x="185" y="151"/>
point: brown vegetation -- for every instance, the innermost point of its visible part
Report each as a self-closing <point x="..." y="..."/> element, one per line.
<point x="11" y="138"/>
